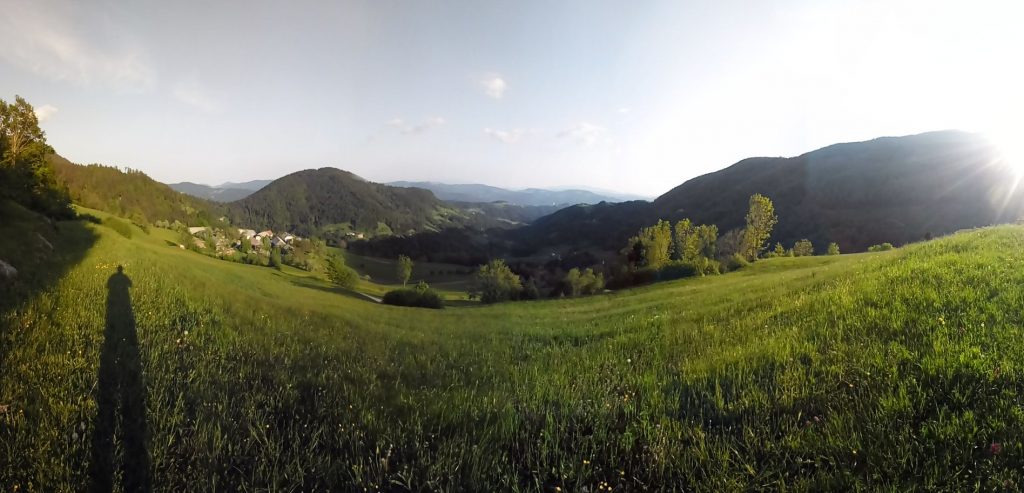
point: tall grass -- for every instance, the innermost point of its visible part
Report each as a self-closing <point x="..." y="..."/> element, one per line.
<point x="897" y="370"/>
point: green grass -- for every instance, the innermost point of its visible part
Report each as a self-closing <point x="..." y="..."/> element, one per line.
<point x="885" y="371"/>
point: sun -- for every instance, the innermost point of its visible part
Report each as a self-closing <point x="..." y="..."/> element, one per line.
<point x="1010" y="143"/>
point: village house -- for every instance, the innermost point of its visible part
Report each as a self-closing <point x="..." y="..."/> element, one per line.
<point x="196" y="229"/>
<point x="246" y="233"/>
<point x="279" y="243"/>
<point x="265" y="234"/>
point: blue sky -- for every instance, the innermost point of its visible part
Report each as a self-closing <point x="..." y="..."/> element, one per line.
<point x="629" y="96"/>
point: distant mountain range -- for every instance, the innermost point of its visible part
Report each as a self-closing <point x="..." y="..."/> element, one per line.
<point x="225" y="192"/>
<point x="465" y="193"/>
<point x="529" y="196"/>
<point x="891" y="189"/>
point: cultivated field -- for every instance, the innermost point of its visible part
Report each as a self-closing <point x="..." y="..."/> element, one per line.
<point x="898" y="370"/>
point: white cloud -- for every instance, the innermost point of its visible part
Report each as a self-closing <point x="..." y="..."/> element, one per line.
<point x="493" y="86"/>
<point x="624" y="110"/>
<point x="42" y="41"/>
<point x="585" y="133"/>
<point x="45" y="111"/>
<point x="507" y="136"/>
<point x="191" y="92"/>
<point x="407" y="128"/>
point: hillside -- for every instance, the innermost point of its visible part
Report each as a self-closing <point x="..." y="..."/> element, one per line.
<point x="528" y="197"/>
<point x="307" y="201"/>
<point x="217" y="194"/>
<point x="893" y="189"/>
<point x="129" y="193"/>
<point x="892" y="371"/>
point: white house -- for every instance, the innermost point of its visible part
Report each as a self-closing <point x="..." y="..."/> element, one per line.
<point x="197" y="229"/>
<point x="265" y="234"/>
<point x="246" y="233"/>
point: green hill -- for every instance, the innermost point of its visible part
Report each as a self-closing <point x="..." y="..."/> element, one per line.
<point x="893" y="189"/>
<point x="130" y="193"/>
<point x="898" y="370"/>
<point x="307" y="201"/>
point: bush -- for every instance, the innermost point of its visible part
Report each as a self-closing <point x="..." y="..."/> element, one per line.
<point x="676" y="270"/>
<point x="833" y="248"/>
<point x="496" y="282"/>
<point x="880" y="248"/>
<point x="735" y="262"/>
<point x="122" y="227"/>
<point x="421" y="296"/>
<point x="803" y="248"/>
<point x="341" y="274"/>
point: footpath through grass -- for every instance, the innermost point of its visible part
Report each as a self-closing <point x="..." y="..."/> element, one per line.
<point x="899" y="370"/>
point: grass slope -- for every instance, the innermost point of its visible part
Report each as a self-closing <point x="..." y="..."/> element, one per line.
<point x="897" y="370"/>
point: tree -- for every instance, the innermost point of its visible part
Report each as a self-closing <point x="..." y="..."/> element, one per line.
<point x="340" y="274"/>
<point x="591" y="283"/>
<point x="730" y="243"/>
<point x="574" y="281"/>
<point x="496" y="282"/>
<point x="651" y="247"/>
<point x="275" y="258"/>
<point x="19" y="127"/>
<point x="706" y="241"/>
<point x="530" y="290"/>
<point x="780" y="251"/>
<point x="404" y="268"/>
<point x="684" y="246"/>
<point x="26" y="175"/>
<point x="833" y="248"/>
<point x="761" y="219"/>
<point x="803" y="248"/>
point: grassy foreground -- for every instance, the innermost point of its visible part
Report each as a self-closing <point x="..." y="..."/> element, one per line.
<point x="896" y="371"/>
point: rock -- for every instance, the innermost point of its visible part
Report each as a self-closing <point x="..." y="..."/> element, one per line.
<point x="7" y="271"/>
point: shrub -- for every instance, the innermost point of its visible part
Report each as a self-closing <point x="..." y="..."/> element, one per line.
<point x="496" y="282"/>
<point x="421" y="296"/>
<point x="880" y="248"/>
<point x="339" y="273"/>
<point x="735" y="261"/>
<point x="833" y="248"/>
<point x="803" y="248"/>
<point x="530" y="291"/>
<point x="676" y="270"/>
<point x="122" y="227"/>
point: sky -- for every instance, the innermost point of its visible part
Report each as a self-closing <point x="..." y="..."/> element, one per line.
<point x="630" y="96"/>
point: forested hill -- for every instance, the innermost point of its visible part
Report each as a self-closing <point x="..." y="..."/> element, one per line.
<point x="307" y="201"/>
<point x="130" y="193"/>
<point x="891" y="189"/>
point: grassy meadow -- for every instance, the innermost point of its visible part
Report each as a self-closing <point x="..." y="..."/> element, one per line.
<point x="897" y="370"/>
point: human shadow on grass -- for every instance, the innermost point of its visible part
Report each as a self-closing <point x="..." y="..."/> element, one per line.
<point x="119" y="434"/>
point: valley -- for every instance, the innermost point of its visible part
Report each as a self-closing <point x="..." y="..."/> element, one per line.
<point x="805" y="373"/>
